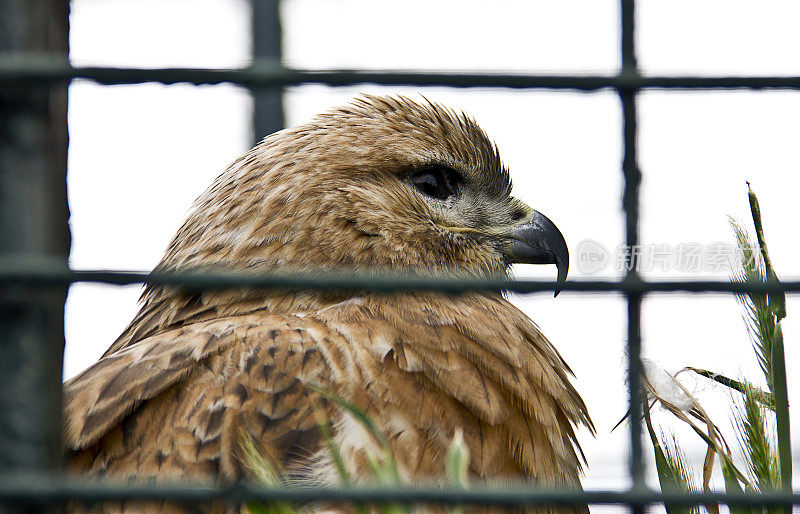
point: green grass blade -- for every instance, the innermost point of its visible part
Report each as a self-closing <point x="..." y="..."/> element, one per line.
<point x="457" y="465"/>
<point x="458" y="461"/>
<point x="732" y="485"/>
<point x="763" y="397"/>
<point x="757" y="445"/>
<point x="777" y="307"/>
<point x="382" y="464"/>
<point x="668" y="476"/>
<point x="335" y="454"/>
<point x="777" y="300"/>
<point x="759" y="317"/>
<point x="257" y="508"/>
<point x="266" y="471"/>
<point x="782" y="411"/>
<point x="357" y="413"/>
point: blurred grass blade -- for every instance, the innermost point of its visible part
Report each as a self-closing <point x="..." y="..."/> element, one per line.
<point x="708" y="470"/>
<point x="382" y="463"/>
<point x="676" y="459"/>
<point x="457" y="465"/>
<point x="762" y="397"/>
<point x="668" y="476"/>
<point x="757" y="445"/>
<point x="777" y="300"/>
<point x="458" y="461"/>
<point x="336" y="458"/>
<point x="259" y="461"/>
<point x="733" y="486"/>
<point x="266" y="470"/>
<point x="357" y="413"/>
<point x="777" y="306"/>
<point x="713" y="438"/>
<point x="782" y="411"/>
<point x="333" y="450"/>
<point x="758" y="314"/>
<point x="257" y="508"/>
<point x="624" y="417"/>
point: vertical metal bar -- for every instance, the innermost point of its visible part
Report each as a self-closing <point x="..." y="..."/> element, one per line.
<point x="630" y="204"/>
<point x="268" y="103"/>
<point x="628" y="41"/>
<point x="33" y="224"/>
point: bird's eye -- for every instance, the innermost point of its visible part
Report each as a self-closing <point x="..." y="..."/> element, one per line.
<point x="439" y="183"/>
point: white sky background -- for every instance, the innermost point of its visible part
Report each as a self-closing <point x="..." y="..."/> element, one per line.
<point x="140" y="154"/>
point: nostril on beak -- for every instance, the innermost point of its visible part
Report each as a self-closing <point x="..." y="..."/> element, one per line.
<point x="518" y="214"/>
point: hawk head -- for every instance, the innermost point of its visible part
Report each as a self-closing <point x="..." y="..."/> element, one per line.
<point x="384" y="182"/>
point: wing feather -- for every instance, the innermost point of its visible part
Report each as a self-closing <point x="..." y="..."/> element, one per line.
<point x="423" y="365"/>
<point x="178" y="401"/>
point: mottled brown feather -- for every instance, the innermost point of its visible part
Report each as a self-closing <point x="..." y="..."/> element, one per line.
<point x="194" y="371"/>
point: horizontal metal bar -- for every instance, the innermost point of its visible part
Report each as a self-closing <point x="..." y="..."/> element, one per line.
<point x="47" y="489"/>
<point x="266" y="73"/>
<point x="45" y="273"/>
<point x="16" y="68"/>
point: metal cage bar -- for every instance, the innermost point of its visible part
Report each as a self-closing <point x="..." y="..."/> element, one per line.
<point x="52" y="272"/>
<point x="268" y="113"/>
<point x="33" y="223"/>
<point x="630" y="206"/>
<point x="43" y="489"/>
<point x="37" y="68"/>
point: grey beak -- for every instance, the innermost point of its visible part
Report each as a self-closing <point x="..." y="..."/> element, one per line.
<point x="538" y="241"/>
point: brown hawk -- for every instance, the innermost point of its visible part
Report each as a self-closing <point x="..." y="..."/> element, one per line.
<point x="383" y="183"/>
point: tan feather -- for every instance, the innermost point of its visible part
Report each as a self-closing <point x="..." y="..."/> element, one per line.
<point x="171" y="397"/>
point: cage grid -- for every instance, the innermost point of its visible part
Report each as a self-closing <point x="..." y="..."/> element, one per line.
<point x="264" y="77"/>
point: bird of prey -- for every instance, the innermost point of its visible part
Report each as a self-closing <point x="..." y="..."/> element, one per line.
<point x="384" y="183"/>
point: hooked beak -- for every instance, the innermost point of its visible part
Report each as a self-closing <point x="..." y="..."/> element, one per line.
<point x="537" y="240"/>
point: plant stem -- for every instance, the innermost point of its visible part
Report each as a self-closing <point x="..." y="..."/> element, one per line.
<point x="782" y="409"/>
<point x="763" y="397"/>
<point x="777" y="300"/>
<point x="778" y="304"/>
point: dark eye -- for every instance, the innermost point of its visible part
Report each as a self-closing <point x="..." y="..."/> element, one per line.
<point x="439" y="183"/>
